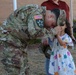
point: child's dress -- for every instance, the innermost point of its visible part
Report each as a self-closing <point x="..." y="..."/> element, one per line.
<point x="61" y="60"/>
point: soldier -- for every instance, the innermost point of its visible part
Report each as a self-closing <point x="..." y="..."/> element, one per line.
<point x="15" y="34"/>
<point x="21" y="26"/>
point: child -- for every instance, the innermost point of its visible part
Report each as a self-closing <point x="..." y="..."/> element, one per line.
<point x="61" y="60"/>
<point x="51" y="18"/>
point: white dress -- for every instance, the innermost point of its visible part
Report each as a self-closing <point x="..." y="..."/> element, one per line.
<point x="61" y="60"/>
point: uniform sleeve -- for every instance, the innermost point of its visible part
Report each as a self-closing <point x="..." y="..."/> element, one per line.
<point x="68" y="41"/>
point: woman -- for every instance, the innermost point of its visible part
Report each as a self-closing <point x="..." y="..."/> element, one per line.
<point x="53" y="4"/>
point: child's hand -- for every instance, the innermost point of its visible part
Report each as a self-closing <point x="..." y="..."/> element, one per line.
<point x="58" y="30"/>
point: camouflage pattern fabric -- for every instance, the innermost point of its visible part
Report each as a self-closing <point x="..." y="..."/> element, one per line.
<point x="20" y="27"/>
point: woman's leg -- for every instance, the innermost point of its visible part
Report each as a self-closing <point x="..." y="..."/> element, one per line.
<point x="47" y="66"/>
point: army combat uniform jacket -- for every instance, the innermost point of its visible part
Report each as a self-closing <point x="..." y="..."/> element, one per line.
<point x="21" y="26"/>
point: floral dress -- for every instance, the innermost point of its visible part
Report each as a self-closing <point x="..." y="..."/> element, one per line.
<point x="61" y="60"/>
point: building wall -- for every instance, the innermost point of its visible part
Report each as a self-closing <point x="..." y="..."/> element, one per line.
<point x="6" y="6"/>
<point x="74" y="9"/>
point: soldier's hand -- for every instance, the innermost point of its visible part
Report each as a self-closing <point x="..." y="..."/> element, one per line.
<point x="45" y="41"/>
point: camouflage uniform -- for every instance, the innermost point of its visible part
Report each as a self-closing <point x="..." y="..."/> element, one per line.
<point x="15" y="33"/>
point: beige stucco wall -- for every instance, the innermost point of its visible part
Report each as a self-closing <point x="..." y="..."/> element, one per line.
<point x="6" y="6"/>
<point x="74" y="8"/>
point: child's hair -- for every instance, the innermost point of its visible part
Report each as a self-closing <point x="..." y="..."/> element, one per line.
<point x="56" y="11"/>
<point x="68" y="28"/>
